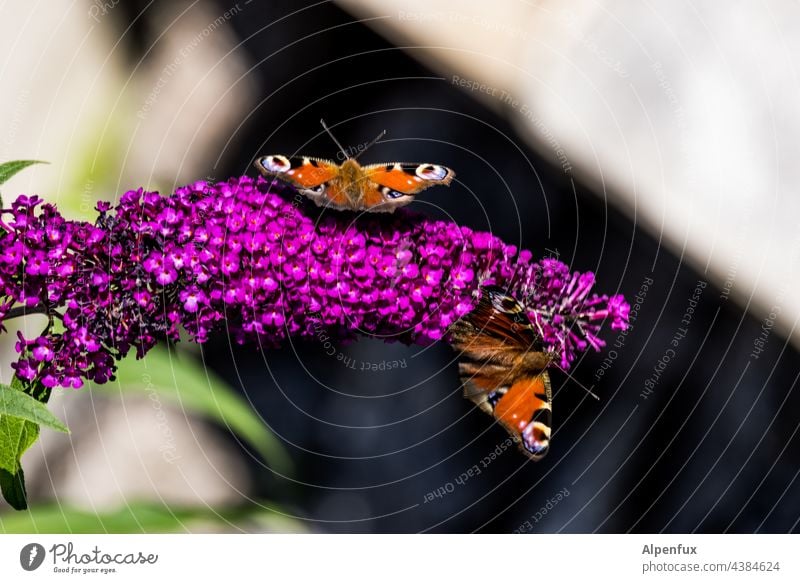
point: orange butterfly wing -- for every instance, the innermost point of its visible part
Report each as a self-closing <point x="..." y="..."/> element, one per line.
<point x="408" y="178"/>
<point x="302" y="172"/>
<point x="503" y="369"/>
<point x="373" y="197"/>
<point x="525" y="411"/>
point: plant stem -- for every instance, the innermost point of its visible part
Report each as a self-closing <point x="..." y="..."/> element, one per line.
<point x="26" y="311"/>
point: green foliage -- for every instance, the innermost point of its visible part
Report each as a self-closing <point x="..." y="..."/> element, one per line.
<point x="16" y="436"/>
<point x="8" y="169"/>
<point x="13" y="488"/>
<point x="20" y="418"/>
<point x="147" y="518"/>
<point x="15" y="403"/>
<point x="181" y="380"/>
<point x="177" y="380"/>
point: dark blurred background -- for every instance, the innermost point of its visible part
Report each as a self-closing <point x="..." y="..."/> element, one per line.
<point x="705" y="442"/>
<point x="712" y="449"/>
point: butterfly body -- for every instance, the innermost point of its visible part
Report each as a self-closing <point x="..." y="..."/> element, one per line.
<point x="353" y="187"/>
<point x="503" y="369"/>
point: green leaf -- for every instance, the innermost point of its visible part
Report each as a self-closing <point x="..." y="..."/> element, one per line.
<point x="8" y="169"/>
<point x="184" y="382"/>
<point x="150" y="518"/>
<point x="20" y="416"/>
<point x="13" y="488"/>
<point x="21" y="405"/>
<point x="16" y="436"/>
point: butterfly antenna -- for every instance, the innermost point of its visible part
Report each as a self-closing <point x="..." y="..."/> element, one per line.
<point x="580" y="384"/>
<point x="335" y="141"/>
<point x="372" y="143"/>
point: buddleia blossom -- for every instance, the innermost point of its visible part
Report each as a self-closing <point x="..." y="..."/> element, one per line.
<point x="564" y="311"/>
<point x="244" y="258"/>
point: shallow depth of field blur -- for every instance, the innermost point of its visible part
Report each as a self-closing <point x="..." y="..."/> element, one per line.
<point x="656" y="147"/>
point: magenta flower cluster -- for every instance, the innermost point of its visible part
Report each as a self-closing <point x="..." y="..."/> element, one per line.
<point x="243" y="258"/>
<point x="561" y="306"/>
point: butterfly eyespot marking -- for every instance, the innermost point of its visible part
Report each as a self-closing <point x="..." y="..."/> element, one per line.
<point x="495" y="396"/>
<point x="276" y="163"/>
<point x="431" y="171"/>
<point x="536" y="438"/>
<point x="392" y="194"/>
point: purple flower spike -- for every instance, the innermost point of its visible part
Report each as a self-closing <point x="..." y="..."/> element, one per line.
<point x="240" y="253"/>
